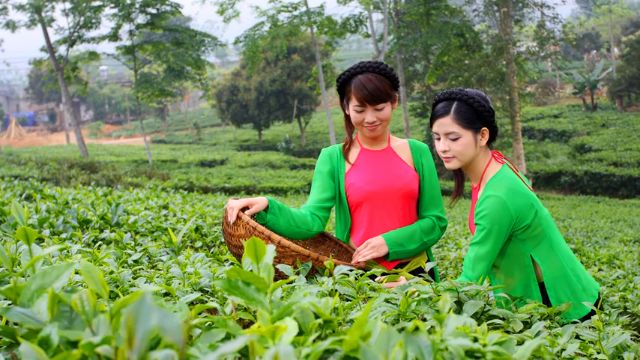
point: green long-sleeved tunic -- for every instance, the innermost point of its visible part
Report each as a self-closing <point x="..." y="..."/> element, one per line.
<point x="328" y="191"/>
<point x="513" y="227"/>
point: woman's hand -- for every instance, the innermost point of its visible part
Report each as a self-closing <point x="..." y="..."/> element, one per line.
<point x="371" y="249"/>
<point x="254" y="205"/>
<point x="391" y="284"/>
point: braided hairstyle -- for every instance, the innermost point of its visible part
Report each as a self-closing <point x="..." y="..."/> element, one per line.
<point x="370" y="83"/>
<point x="472" y="110"/>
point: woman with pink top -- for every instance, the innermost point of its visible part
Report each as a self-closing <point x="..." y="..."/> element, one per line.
<point x="384" y="189"/>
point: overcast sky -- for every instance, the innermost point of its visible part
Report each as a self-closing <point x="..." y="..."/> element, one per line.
<point x="18" y="48"/>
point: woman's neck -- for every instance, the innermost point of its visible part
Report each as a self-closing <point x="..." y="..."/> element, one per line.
<point x="375" y="143"/>
<point x="475" y="169"/>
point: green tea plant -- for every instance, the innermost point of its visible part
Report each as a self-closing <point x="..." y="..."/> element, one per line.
<point x="143" y="273"/>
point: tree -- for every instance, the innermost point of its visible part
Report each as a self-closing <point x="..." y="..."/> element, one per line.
<point x="588" y="82"/>
<point x="290" y="78"/>
<point x="162" y="51"/>
<point x="627" y="84"/>
<point x="608" y="18"/>
<point x="79" y="19"/>
<point x="391" y="16"/>
<point x="315" y="20"/>
<point x="503" y="23"/>
<point x="237" y="98"/>
<point x="276" y="86"/>
<point x="379" y="39"/>
<point x="130" y="19"/>
<point x="577" y="42"/>
<point x="110" y="102"/>
<point x="43" y="86"/>
<point x="440" y="48"/>
<point x="176" y="55"/>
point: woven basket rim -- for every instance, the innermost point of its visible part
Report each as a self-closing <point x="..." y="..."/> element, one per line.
<point x="282" y="241"/>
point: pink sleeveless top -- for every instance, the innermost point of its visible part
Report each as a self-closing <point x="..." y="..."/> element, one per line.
<point x="382" y="193"/>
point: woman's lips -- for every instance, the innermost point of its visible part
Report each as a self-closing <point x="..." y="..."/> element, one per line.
<point x="447" y="158"/>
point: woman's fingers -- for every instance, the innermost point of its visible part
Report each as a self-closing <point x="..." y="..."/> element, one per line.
<point x="254" y="205"/>
<point x="232" y="211"/>
<point x="233" y="206"/>
<point x="371" y="249"/>
<point x="392" y="284"/>
<point x="363" y="253"/>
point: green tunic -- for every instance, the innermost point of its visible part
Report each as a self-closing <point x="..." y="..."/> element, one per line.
<point x="513" y="227"/>
<point x="328" y="191"/>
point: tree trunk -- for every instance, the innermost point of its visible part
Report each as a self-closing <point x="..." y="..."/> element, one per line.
<point x="611" y="45"/>
<point x="147" y="147"/>
<point x="584" y="103"/>
<point x="323" y="90"/>
<point x="302" y="127"/>
<point x="65" y="126"/>
<point x="403" y="94"/>
<point x="385" y="29"/>
<point x="64" y="89"/>
<point x="164" y="115"/>
<point x="380" y="49"/>
<point x="506" y="32"/>
<point x="619" y="103"/>
<point x="374" y="36"/>
<point x="592" y="97"/>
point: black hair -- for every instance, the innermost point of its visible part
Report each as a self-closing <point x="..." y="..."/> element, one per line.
<point x="471" y="109"/>
<point x="370" y="83"/>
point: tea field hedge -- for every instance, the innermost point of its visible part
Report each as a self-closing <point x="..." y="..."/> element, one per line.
<point x="110" y="258"/>
<point x="567" y="150"/>
<point x="91" y="272"/>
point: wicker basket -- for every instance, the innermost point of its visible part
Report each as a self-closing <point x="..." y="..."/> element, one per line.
<point x="316" y="250"/>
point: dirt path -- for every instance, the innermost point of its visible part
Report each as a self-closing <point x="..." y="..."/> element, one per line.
<point x="40" y="138"/>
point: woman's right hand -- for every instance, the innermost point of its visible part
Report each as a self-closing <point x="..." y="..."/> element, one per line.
<point x="254" y="205"/>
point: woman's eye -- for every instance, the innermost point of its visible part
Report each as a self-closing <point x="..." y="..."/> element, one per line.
<point x="358" y="111"/>
<point x="380" y="109"/>
<point x="454" y="139"/>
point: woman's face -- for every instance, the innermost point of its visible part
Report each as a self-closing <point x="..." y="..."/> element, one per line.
<point x="456" y="146"/>
<point x="370" y="121"/>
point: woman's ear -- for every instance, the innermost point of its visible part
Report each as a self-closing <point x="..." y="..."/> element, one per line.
<point x="484" y="136"/>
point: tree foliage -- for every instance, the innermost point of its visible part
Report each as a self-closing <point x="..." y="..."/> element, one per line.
<point x="276" y="86"/>
<point x="627" y="84"/>
<point x="74" y="21"/>
<point x="42" y="85"/>
<point x="440" y="47"/>
<point x="163" y="51"/>
<point x="322" y="28"/>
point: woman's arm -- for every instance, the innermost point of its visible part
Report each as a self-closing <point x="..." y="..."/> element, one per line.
<point x="410" y="240"/>
<point x="494" y="223"/>
<point x="310" y="219"/>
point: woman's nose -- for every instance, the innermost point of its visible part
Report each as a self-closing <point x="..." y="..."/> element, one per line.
<point x="369" y="117"/>
<point x="442" y="146"/>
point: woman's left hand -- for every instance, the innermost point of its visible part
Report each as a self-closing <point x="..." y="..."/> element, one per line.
<point x="371" y="249"/>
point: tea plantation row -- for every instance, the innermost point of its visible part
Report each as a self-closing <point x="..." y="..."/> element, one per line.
<point x="89" y="272"/>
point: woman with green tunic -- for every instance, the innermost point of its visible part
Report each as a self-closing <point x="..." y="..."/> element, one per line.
<point x="516" y="244"/>
<point x="384" y="189"/>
